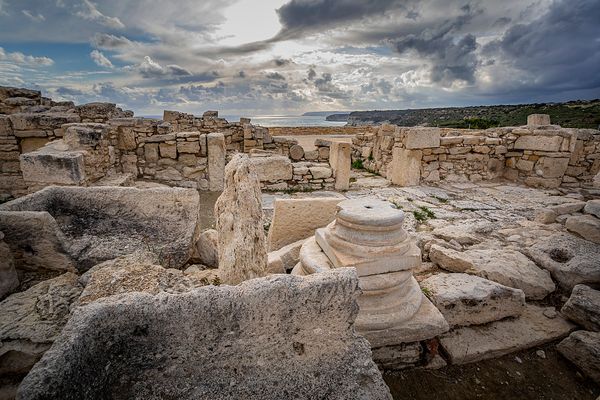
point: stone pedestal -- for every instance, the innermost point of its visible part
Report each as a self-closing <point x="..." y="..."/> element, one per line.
<point x="538" y="119"/>
<point x="367" y="235"/>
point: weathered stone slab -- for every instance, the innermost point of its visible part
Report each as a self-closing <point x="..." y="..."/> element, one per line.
<point x="570" y="259"/>
<point x="94" y="224"/>
<point x="583" y="349"/>
<point x="273" y="168"/>
<point x="470" y="300"/>
<point x="583" y="307"/>
<point x="296" y="219"/>
<point x="551" y="167"/>
<point x="286" y="258"/>
<point x="475" y="343"/>
<point x="422" y="138"/>
<point x="242" y="244"/>
<point x="538" y="142"/>
<point x="587" y="226"/>
<point x="406" y="167"/>
<point x="507" y="267"/>
<point x="402" y="356"/>
<point x="138" y="345"/>
<point x="538" y="119"/>
<point x="53" y="166"/>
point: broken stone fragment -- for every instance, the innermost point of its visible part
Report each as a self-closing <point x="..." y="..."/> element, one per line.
<point x="206" y="249"/>
<point x="582" y="348"/>
<point x="470" y="300"/>
<point x="139" y="345"/>
<point x="479" y="342"/>
<point x="583" y="307"/>
<point x="507" y="267"/>
<point x="587" y="226"/>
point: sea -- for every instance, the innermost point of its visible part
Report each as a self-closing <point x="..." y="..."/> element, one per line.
<point x="278" y="120"/>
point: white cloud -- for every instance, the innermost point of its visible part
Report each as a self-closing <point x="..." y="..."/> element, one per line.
<point x="22" y="59"/>
<point x="90" y="12"/>
<point x="100" y="59"/>
<point x="34" y="17"/>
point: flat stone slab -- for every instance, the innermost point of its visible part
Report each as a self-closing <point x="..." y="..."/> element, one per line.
<point x="582" y="348"/>
<point x="296" y="219"/>
<point x="586" y="226"/>
<point x="188" y="346"/>
<point x="470" y="300"/>
<point x="475" y="343"/>
<point x="571" y="260"/>
<point x="583" y="307"/>
<point x="507" y="267"/>
<point x="427" y="323"/>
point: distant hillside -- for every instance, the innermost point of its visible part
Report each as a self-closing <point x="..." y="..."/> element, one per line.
<point x="573" y="114"/>
<point x="338" y="117"/>
<point x="321" y="113"/>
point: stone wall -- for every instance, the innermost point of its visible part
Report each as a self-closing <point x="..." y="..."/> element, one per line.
<point x="537" y="155"/>
<point x="316" y="130"/>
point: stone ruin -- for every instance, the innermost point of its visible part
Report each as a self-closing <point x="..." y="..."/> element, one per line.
<point x="114" y="298"/>
<point x="367" y="234"/>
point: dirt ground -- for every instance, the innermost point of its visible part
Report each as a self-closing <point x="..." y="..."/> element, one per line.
<point x="524" y="375"/>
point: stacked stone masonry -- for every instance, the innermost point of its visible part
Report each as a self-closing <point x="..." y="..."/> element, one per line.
<point x="545" y="156"/>
<point x="43" y="142"/>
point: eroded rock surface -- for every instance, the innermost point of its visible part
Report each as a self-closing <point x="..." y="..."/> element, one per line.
<point x="507" y="267"/>
<point x="582" y="348"/>
<point x="176" y="346"/>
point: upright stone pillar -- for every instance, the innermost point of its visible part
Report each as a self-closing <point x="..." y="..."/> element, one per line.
<point x="367" y="235"/>
<point x="406" y="167"/>
<point x="340" y="161"/>
<point x="241" y="244"/>
<point x="216" y="161"/>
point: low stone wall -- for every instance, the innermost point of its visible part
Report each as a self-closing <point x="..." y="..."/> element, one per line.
<point x="537" y="155"/>
<point x="317" y="130"/>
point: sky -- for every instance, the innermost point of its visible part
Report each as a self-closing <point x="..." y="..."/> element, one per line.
<point x="286" y="57"/>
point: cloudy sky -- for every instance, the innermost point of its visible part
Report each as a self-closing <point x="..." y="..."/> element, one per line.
<point x="258" y="57"/>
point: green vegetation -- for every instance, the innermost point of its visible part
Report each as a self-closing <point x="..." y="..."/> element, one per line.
<point x="423" y="214"/>
<point x="396" y="204"/>
<point x="358" y="164"/>
<point x="469" y="123"/>
<point x="426" y="291"/>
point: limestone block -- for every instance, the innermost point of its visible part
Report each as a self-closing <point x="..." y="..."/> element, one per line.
<point x="421" y="138"/>
<point x="583" y="307"/>
<point x="475" y="343"/>
<point x="470" y="300"/>
<point x="215" y="143"/>
<point x="507" y="267"/>
<point x="567" y="208"/>
<point x="583" y="349"/>
<point x="570" y="259"/>
<point x="151" y="152"/>
<point x="406" y="167"/>
<point x="207" y="248"/>
<point x="550" y="167"/>
<point x="545" y="216"/>
<point x="169" y="174"/>
<point x="168" y="150"/>
<point x="239" y="215"/>
<point x="341" y="161"/>
<point x="587" y="226"/>
<point x="592" y="207"/>
<point x="401" y="356"/>
<point x="126" y="139"/>
<point x="9" y="280"/>
<point x="538" y="119"/>
<point x="50" y="165"/>
<point x="525" y="165"/>
<point x="296" y="219"/>
<point x="273" y="168"/>
<point x="304" y="344"/>
<point x="188" y="147"/>
<point x="320" y="172"/>
<point x="538" y="142"/>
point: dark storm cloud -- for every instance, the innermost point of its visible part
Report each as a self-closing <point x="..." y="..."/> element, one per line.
<point x="560" y="49"/>
<point x="452" y="55"/>
<point x="299" y="16"/>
